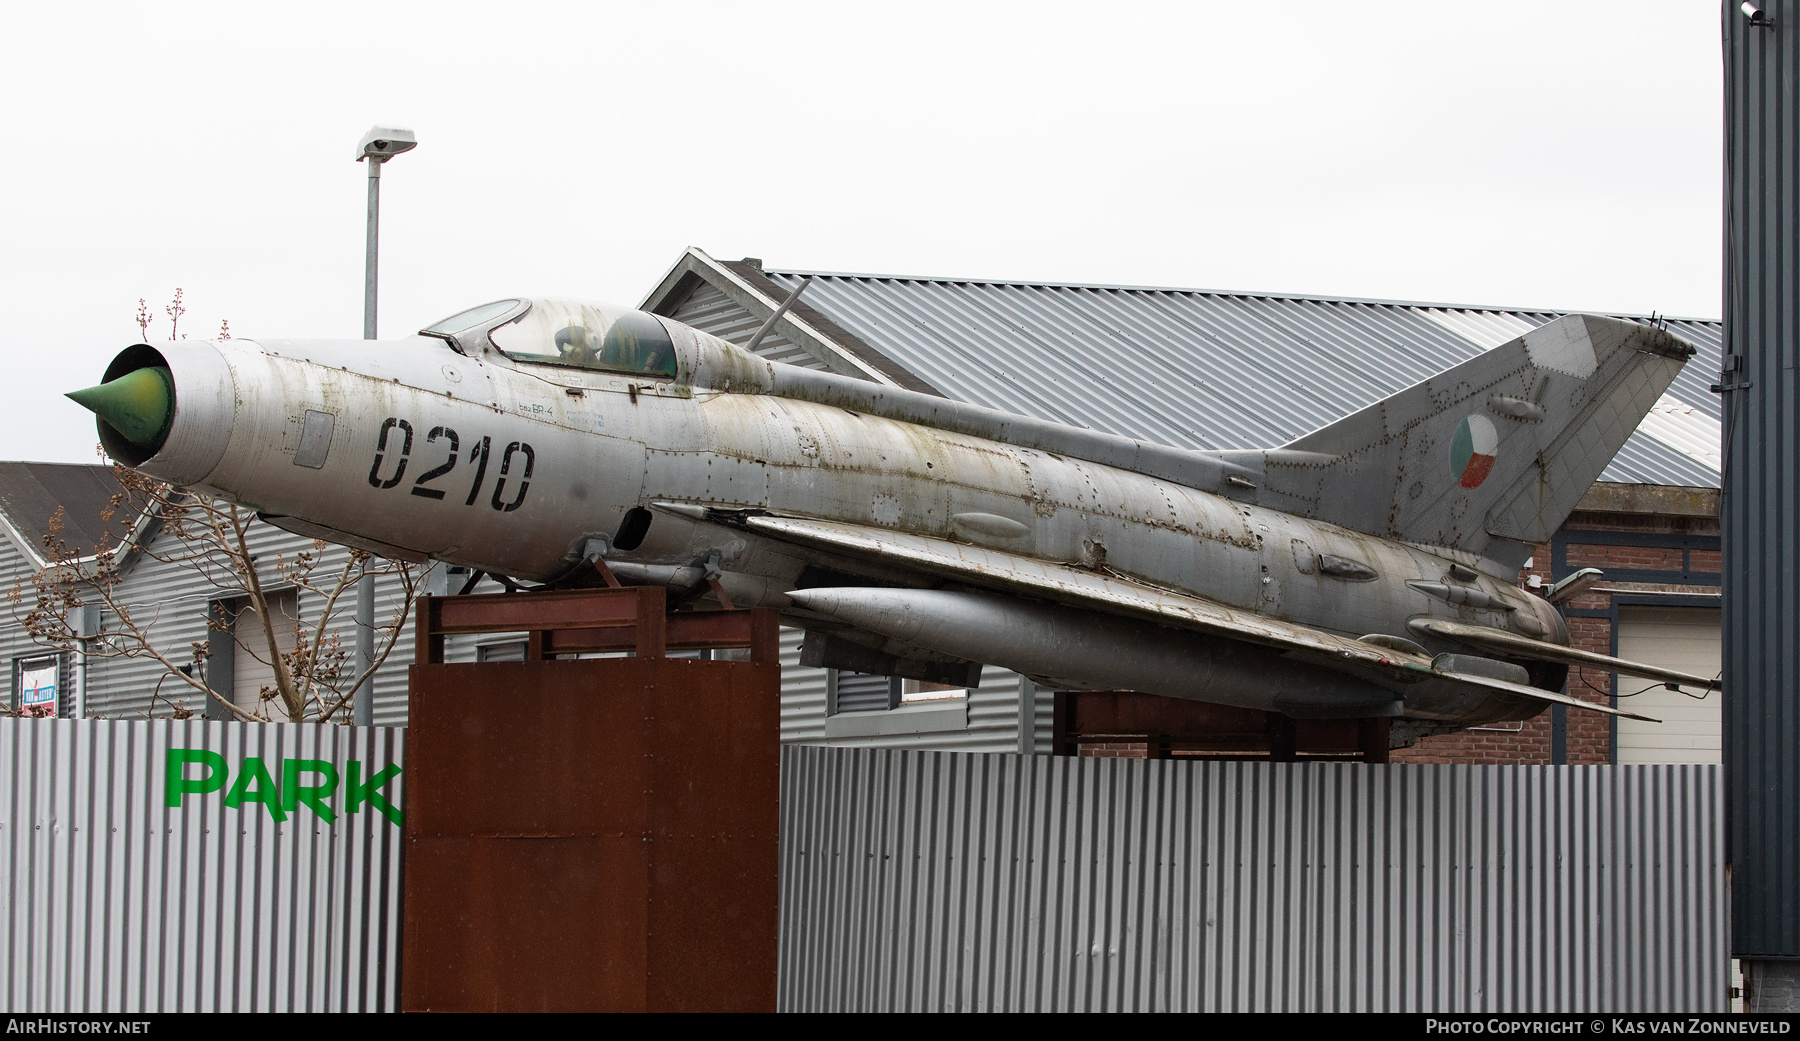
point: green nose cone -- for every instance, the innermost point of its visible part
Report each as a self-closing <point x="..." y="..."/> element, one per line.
<point x="137" y="404"/>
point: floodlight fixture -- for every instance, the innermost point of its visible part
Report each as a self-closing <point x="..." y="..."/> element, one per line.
<point x="383" y="143"/>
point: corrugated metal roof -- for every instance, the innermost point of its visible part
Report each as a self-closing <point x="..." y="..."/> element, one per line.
<point x="32" y="493"/>
<point x="1201" y="369"/>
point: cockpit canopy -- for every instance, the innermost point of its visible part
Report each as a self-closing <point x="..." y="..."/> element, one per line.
<point x="571" y="333"/>
<point x="587" y="336"/>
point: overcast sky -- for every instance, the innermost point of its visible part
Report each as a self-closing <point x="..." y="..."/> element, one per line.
<point x="1548" y="154"/>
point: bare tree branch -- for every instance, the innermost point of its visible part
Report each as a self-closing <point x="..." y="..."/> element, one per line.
<point x="150" y="522"/>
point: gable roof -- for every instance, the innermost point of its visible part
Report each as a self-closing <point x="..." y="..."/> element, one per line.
<point x="739" y="294"/>
<point x="31" y="493"/>
<point x="1186" y="367"/>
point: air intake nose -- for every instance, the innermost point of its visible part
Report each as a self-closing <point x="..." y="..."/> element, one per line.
<point x="139" y="405"/>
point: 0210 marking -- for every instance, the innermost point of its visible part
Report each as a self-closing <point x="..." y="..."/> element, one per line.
<point x="479" y="452"/>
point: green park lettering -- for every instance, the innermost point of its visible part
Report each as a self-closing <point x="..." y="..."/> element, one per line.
<point x="280" y="787"/>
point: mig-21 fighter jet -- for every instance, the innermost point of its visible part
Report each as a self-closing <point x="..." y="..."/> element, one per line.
<point x="1367" y="569"/>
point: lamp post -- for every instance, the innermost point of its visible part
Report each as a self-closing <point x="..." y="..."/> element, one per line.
<point x="378" y="146"/>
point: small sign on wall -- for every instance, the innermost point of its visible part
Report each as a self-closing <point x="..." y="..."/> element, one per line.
<point x="37" y="687"/>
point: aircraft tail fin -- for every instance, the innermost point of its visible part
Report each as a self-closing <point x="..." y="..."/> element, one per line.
<point x="1487" y="457"/>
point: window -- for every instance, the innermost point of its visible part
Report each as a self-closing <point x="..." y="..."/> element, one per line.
<point x="861" y="692"/>
<point x="861" y="706"/>
<point x="36" y="684"/>
<point x="916" y="692"/>
<point x="587" y="336"/>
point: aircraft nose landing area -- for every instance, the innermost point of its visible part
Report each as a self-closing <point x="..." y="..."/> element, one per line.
<point x="139" y="405"/>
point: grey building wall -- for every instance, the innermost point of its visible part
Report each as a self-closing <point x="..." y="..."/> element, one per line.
<point x="939" y="881"/>
<point x="15" y="568"/>
<point x="174" y="601"/>
<point x="1761" y="575"/>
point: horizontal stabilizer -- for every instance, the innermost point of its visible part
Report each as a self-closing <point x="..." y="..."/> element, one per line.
<point x="1498" y="641"/>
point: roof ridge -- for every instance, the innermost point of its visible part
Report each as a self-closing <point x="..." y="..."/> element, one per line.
<point x="1257" y="295"/>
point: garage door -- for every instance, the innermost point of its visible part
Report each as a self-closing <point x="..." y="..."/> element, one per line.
<point x="1685" y="638"/>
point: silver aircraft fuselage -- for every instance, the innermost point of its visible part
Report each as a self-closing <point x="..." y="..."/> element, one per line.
<point x="596" y="445"/>
<point x="435" y="447"/>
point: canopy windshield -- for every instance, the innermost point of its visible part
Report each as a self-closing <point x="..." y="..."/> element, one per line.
<point x="471" y="318"/>
<point x="588" y="336"/>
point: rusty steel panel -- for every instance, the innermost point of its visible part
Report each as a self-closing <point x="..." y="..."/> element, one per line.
<point x="615" y="817"/>
<point x="532" y="735"/>
<point x="605" y="618"/>
<point x="500" y="612"/>
<point x="1125" y="712"/>
<point x="1197" y="725"/>
<point x="550" y="924"/>
<point x="686" y="630"/>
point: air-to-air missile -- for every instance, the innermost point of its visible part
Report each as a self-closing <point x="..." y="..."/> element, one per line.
<point x="1367" y="569"/>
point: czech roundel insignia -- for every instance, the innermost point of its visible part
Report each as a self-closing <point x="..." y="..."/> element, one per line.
<point x="1473" y="450"/>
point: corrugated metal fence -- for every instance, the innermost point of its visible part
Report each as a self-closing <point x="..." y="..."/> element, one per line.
<point x="273" y="885"/>
<point x="934" y="880"/>
<point x="910" y="880"/>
